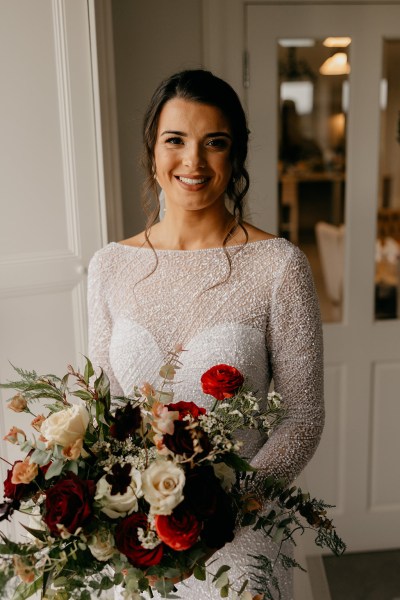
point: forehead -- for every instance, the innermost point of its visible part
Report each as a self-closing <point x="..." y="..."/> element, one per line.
<point x="191" y="117"/>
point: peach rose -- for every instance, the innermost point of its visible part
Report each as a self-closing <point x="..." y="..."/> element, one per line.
<point x="37" y="422"/>
<point x="74" y="451"/>
<point x="163" y="419"/>
<point x="24" y="472"/>
<point x="17" y="403"/>
<point x="12" y="435"/>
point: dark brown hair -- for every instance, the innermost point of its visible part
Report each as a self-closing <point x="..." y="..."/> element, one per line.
<point x="205" y="88"/>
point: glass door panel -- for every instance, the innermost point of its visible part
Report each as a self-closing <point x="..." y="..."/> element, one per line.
<point x="312" y="115"/>
<point x="387" y="255"/>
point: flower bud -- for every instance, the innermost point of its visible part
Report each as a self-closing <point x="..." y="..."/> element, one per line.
<point x="18" y="403"/>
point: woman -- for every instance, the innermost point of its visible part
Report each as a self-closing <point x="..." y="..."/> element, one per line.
<point x="223" y="289"/>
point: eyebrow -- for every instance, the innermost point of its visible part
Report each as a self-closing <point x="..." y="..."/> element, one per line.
<point x="208" y="135"/>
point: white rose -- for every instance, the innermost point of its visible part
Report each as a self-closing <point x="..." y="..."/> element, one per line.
<point x="119" y="505"/>
<point x="225" y="474"/>
<point x="162" y="484"/>
<point x="66" y="427"/>
<point x="102" y="545"/>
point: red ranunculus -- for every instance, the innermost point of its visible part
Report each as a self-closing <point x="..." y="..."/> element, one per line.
<point x="221" y="381"/>
<point x="180" y="530"/>
<point x="127" y="542"/>
<point x="69" y="503"/>
<point x="187" y="408"/>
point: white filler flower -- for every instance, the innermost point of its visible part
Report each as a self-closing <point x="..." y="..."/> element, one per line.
<point x="162" y="485"/>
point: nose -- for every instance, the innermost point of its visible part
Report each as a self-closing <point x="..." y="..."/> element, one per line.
<point x="194" y="157"/>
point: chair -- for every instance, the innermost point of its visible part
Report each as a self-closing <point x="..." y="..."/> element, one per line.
<point x="330" y="243"/>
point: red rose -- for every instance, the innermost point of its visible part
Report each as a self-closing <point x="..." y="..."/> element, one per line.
<point x="69" y="503"/>
<point x="127" y="542"/>
<point x="180" y="530"/>
<point x="221" y="381"/>
<point x="187" y="408"/>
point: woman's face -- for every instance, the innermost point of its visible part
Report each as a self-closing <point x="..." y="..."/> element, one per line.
<point x="192" y="154"/>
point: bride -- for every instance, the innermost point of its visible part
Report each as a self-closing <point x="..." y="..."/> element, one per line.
<point x="224" y="290"/>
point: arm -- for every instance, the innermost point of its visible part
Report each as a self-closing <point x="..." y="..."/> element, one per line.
<point x="100" y="321"/>
<point x="294" y="342"/>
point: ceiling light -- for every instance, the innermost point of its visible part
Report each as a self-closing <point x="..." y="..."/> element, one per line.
<point x="337" y="42"/>
<point x="296" y="42"/>
<point x="335" y="65"/>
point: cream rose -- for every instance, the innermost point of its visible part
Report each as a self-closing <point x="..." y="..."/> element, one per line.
<point x="66" y="426"/>
<point x="102" y="545"/>
<point x="119" y="505"/>
<point x="162" y="485"/>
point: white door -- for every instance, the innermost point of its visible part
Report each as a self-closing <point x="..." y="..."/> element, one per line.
<point x="50" y="190"/>
<point x="356" y="466"/>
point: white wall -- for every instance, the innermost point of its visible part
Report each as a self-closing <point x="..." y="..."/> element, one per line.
<point x="50" y="222"/>
<point x="152" y="40"/>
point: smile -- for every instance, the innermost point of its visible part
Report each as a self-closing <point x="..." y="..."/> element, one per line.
<point x="189" y="181"/>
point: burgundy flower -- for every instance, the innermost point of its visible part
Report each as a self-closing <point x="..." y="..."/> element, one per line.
<point x="221" y="381"/>
<point x="183" y="438"/>
<point x="219" y="529"/>
<point x="207" y="500"/>
<point x="119" y="478"/>
<point x="69" y="503"/>
<point x="126" y="421"/>
<point x="127" y="542"/>
<point x="179" y="530"/>
<point x="187" y="408"/>
<point x="201" y="491"/>
<point x="14" y="491"/>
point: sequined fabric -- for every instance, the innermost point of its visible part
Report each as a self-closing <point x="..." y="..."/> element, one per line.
<point x="262" y="317"/>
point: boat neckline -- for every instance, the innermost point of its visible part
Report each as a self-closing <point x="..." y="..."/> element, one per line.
<point x="197" y="250"/>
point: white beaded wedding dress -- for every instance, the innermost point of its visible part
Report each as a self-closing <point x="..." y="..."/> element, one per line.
<point x="262" y="318"/>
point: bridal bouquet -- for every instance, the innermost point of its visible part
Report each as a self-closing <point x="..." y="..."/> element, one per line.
<point x="139" y="491"/>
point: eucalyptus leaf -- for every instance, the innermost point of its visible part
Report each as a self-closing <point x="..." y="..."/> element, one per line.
<point x="199" y="572"/>
<point x="55" y="469"/>
<point x="221" y="581"/>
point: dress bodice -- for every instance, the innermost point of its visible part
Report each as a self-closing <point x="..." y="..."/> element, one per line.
<point x="257" y="311"/>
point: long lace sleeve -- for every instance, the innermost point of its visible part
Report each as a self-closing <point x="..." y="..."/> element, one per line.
<point x="100" y="321"/>
<point x="294" y="341"/>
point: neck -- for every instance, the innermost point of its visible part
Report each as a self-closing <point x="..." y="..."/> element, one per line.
<point x="192" y="230"/>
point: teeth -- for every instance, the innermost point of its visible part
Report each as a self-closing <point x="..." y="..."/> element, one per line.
<point x="192" y="181"/>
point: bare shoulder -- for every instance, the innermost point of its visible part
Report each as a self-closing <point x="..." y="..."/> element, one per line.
<point x="256" y="235"/>
<point x="135" y="241"/>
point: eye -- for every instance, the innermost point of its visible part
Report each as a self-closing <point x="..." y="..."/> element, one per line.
<point x="218" y="143"/>
<point x="174" y="140"/>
